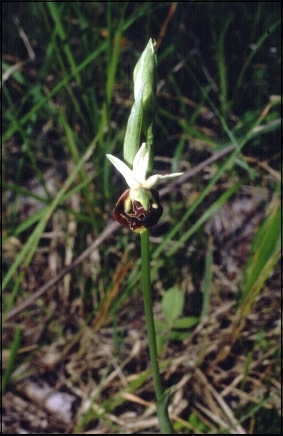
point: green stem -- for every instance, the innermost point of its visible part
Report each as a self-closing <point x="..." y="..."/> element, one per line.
<point x="161" y="397"/>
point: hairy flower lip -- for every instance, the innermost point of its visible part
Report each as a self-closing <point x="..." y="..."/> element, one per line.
<point x="130" y="213"/>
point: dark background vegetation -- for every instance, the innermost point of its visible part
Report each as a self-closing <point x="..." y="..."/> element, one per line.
<point x="75" y="358"/>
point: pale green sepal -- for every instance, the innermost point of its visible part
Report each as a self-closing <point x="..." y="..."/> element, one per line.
<point x="124" y="170"/>
<point x="136" y="178"/>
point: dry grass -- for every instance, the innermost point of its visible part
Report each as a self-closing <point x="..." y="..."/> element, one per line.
<point x="99" y="375"/>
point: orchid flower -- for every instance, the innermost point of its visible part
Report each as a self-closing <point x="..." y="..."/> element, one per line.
<point x="139" y="206"/>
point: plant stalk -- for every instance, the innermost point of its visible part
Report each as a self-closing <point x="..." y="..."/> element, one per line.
<point x="161" y="397"/>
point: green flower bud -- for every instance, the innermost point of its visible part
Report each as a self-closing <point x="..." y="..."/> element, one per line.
<point x="145" y="77"/>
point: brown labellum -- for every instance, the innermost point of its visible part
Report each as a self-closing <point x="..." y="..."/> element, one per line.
<point x="130" y="213"/>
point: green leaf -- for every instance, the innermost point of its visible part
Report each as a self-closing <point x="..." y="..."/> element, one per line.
<point x="11" y="361"/>
<point x="181" y="328"/>
<point x="264" y="246"/>
<point x="185" y="322"/>
<point x="172" y="304"/>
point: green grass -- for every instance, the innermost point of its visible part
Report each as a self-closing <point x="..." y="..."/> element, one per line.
<point x="64" y="108"/>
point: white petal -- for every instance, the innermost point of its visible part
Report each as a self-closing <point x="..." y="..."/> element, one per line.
<point x="126" y="172"/>
<point x="140" y="164"/>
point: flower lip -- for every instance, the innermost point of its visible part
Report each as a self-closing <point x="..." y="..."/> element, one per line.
<point x="132" y="214"/>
